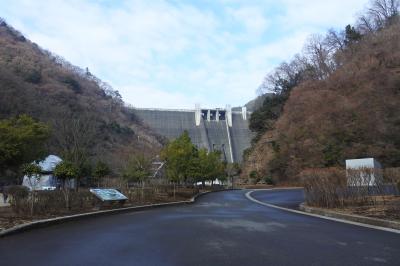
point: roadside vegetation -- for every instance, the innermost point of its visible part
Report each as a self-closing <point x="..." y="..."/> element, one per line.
<point x="352" y="190"/>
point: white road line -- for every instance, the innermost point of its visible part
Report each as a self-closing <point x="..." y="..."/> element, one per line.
<point x="248" y="196"/>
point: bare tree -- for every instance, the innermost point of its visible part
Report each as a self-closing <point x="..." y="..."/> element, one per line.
<point x="378" y="15"/>
<point x="286" y="76"/>
<point x="335" y="40"/>
<point x="383" y="11"/>
<point x="75" y="137"/>
<point x="319" y="55"/>
<point x="365" y="24"/>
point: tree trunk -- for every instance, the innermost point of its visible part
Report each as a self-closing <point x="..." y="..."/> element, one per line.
<point x="66" y="194"/>
<point x="143" y="190"/>
<point x="66" y="197"/>
<point x="76" y="184"/>
<point x="32" y="201"/>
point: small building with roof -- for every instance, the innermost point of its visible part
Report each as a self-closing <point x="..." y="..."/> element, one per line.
<point x="46" y="180"/>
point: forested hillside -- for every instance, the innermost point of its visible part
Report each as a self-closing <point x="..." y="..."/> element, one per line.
<point x="339" y="99"/>
<point x="86" y="116"/>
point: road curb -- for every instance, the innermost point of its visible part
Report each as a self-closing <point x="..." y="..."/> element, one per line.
<point x="336" y="219"/>
<point x="351" y="217"/>
<point x="58" y="220"/>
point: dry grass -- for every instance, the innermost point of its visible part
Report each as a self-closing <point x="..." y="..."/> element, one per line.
<point x="387" y="209"/>
<point x="328" y="187"/>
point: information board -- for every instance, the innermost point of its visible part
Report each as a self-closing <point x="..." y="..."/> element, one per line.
<point x="108" y="194"/>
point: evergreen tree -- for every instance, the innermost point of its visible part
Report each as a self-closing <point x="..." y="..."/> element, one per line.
<point x="101" y="170"/>
<point x="21" y="141"/>
<point x="179" y="155"/>
<point x="351" y="35"/>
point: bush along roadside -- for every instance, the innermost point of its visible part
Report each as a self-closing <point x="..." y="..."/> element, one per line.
<point x="352" y="192"/>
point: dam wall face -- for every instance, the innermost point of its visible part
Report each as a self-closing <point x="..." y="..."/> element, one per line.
<point x="213" y="129"/>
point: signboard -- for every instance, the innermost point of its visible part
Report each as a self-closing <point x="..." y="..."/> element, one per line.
<point x="108" y="194"/>
<point x="363" y="172"/>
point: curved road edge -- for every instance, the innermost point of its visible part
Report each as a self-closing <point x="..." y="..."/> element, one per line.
<point x="249" y="197"/>
<point x="62" y="219"/>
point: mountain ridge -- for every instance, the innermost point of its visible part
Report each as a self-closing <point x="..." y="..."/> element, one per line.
<point x="79" y="107"/>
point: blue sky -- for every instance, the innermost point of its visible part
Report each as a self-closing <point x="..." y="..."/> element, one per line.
<point x="173" y="54"/>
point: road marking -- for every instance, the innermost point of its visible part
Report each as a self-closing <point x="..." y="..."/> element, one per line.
<point x="248" y="196"/>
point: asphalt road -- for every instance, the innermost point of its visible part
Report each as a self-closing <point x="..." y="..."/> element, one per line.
<point x="223" y="228"/>
<point x="288" y="198"/>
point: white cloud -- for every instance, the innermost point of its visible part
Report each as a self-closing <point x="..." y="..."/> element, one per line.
<point x="173" y="54"/>
<point x="155" y="98"/>
<point x="316" y="13"/>
<point x="283" y="49"/>
<point x="252" y="18"/>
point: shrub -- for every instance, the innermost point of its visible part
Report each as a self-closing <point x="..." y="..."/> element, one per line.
<point x="254" y="177"/>
<point x="50" y="202"/>
<point x="269" y="180"/>
<point x="392" y="175"/>
<point x="19" y="198"/>
<point x="33" y="76"/>
<point x="73" y="84"/>
<point x="324" y="187"/>
<point x="18" y="191"/>
<point x="334" y="187"/>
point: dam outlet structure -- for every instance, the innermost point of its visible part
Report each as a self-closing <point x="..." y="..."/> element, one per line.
<point x="219" y="129"/>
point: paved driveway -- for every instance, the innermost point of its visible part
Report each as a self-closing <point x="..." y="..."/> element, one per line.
<point x="223" y="228"/>
<point x="288" y="198"/>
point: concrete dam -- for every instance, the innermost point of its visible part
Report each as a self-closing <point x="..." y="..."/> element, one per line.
<point x="219" y="129"/>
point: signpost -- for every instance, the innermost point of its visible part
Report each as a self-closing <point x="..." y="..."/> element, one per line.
<point x="109" y="195"/>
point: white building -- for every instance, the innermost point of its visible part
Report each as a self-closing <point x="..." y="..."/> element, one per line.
<point x="46" y="181"/>
<point x="363" y="172"/>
